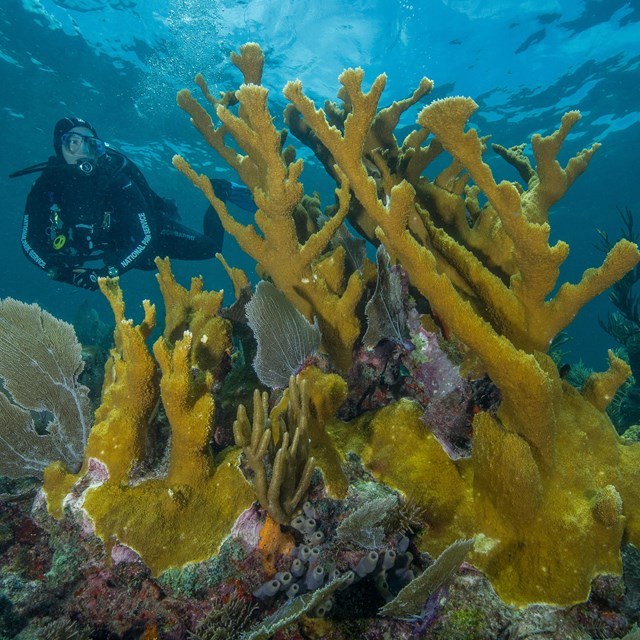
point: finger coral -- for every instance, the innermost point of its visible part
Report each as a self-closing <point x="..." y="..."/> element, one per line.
<point x="290" y="463"/>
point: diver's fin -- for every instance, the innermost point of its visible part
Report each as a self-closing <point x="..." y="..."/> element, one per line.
<point x="232" y="192"/>
<point x="241" y="197"/>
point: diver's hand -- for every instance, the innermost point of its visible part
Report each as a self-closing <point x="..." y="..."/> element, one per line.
<point x="87" y="278"/>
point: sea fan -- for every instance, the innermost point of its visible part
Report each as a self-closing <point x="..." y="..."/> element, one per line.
<point x="386" y="315"/>
<point x="285" y="337"/>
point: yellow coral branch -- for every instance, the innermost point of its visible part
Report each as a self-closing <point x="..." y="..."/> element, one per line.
<point x="237" y="276"/>
<point x="201" y="120"/>
<point x="570" y="298"/>
<point x="129" y="395"/>
<point x="250" y="61"/>
<point x="600" y="388"/>
<point x="553" y="181"/>
<point x="190" y="408"/>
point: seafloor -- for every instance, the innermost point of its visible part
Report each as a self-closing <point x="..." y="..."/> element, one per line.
<point x="55" y="584"/>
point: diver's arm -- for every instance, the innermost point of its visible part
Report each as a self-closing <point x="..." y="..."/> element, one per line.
<point x="43" y="247"/>
<point x="133" y="227"/>
<point x="37" y="243"/>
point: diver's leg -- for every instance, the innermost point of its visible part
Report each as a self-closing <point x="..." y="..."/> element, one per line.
<point x="183" y="243"/>
<point x="227" y="191"/>
<point x="212" y="227"/>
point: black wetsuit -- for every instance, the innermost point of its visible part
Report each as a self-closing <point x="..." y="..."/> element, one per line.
<point x="106" y="222"/>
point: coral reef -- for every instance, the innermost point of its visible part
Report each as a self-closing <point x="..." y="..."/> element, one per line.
<point x="54" y="582"/>
<point x="432" y="464"/>
<point x="487" y="273"/>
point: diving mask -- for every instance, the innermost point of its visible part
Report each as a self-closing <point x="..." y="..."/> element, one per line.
<point x="81" y="146"/>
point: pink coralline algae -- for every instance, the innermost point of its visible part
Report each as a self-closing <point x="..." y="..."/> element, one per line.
<point x="419" y="368"/>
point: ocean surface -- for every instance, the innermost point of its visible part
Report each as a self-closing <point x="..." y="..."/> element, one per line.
<point x="119" y="64"/>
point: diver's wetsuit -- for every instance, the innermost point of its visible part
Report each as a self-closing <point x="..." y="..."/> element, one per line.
<point x="108" y="221"/>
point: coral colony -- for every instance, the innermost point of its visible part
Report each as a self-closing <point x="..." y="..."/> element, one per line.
<point x="405" y="418"/>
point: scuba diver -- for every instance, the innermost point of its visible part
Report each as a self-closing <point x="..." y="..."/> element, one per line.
<point x="91" y="213"/>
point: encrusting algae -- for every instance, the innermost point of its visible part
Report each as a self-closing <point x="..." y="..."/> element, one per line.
<point x="550" y="490"/>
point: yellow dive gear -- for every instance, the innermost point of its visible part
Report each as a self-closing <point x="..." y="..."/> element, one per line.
<point x="58" y="241"/>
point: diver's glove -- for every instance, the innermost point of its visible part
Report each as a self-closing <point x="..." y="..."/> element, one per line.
<point x="88" y="278"/>
<point x="237" y="194"/>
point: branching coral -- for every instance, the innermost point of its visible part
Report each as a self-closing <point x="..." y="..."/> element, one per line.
<point x="488" y="273"/>
<point x="317" y="284"/>
<point x="516" y="315"/>
<point x="184" y="515"/>
<point x="286" y="452"/>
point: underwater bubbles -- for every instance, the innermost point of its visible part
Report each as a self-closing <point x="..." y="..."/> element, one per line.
<point x="195" y="41"/>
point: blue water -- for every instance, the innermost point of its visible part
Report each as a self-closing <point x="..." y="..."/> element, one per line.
<point x="119" y="64"/>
